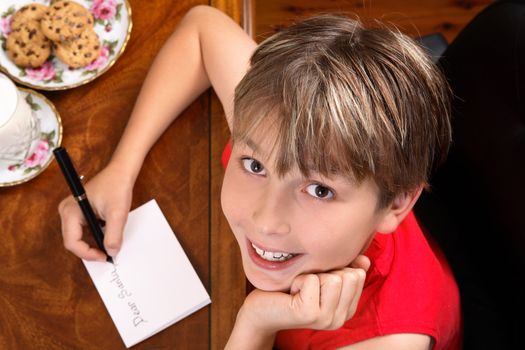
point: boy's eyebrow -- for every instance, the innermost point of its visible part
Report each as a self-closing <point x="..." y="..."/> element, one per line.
<point x="257" y="150"/>
<point x="250" y="143"/>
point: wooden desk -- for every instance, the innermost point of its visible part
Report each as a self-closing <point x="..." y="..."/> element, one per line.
<point x="47" y="300"/>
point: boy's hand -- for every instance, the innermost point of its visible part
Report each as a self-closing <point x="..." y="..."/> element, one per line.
<point x="110" y="198"/>
<point x="318" y="301"/>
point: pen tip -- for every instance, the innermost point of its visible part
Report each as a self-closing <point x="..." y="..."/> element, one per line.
<point x="109" y="259"/>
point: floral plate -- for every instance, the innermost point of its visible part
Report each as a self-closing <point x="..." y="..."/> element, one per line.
<point x="112" y="24"/>
<point x="50" y="137"/>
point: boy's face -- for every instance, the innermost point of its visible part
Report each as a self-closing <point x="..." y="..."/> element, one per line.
<point x="293" y="225"/>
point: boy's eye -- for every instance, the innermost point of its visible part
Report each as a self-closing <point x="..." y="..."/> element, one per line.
<point x="319" y="191"/>
<point x="253" y="166"/>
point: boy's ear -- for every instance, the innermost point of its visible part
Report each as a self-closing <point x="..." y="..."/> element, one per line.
<point x="392" y="215"/>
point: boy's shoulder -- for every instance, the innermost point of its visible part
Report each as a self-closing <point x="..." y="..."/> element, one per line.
<point x="407" y="254"/>
<point x="411" y="263"/>
<point x="411" y="287"/>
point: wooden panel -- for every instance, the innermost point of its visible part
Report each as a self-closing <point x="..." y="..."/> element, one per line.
<point x="47" y="299"/>
<point x="227" y="279"/>
<point x="227" y="276"/>
<point x="414" y="17"/>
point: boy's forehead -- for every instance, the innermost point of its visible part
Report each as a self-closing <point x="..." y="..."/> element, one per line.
<point x="260" y="136"/>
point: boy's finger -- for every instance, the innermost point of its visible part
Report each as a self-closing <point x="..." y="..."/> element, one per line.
<point x="361" y="275"/>
<point x="115" y="222"/>
<point x="305" y="301"/>
<point x="89" y="253"/>
<point x="306" y="287"/>
<point x="72" y="236"/>
<point x="350" y="280"/>
<point x="330" y="285"/>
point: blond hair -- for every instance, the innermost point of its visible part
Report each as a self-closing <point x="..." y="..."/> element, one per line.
<point x="345" y="99"/>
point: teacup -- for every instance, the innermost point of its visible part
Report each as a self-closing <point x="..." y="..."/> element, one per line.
<point x="19" y="128"/>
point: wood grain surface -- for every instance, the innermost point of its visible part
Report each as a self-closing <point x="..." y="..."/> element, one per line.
<point x="227" y="277"/>
<point x="47" y="300"/>
<point x="414" y="17"/>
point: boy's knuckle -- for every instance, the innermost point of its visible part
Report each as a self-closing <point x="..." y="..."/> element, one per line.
<point x="319" y="324"/>
<point x="330" y="323"/>
<point x="333" y="280"/>
<point x="351" y="277"/>
<point x="335" y="324"/>
<point x="361" y="274"/>
<point x="311" y="316"/>
<point x="350" y="313"/>
<point x="68" y="245"/>
<point x="311" y="278"/>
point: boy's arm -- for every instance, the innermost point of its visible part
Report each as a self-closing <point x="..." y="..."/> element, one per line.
<point x="207" y="48"/>
<point x="243" y="336"/>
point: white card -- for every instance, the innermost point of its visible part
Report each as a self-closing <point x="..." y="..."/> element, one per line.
<point x="152" y="284"/>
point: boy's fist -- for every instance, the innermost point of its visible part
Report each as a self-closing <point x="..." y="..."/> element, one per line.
<point x="318" y="301"/>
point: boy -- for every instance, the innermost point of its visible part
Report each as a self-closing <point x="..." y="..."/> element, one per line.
<point x="334" y="131"/>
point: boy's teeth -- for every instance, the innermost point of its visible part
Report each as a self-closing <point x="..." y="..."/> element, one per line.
<point x="272" y="256"/>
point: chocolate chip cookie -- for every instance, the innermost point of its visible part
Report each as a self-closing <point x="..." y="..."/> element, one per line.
<point x="66" y="20"/>
<point x="28" y="12"/>
<point x="81" y="51"/>
<point x="27" y="46"/>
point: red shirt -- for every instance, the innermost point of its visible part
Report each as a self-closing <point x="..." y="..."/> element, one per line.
<point x="409" y="289"/>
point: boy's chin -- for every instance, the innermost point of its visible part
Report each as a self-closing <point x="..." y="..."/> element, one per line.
<point x="269" y="286"/>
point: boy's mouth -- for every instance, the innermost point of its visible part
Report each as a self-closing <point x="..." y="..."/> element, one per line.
<point x="272" y="256"/>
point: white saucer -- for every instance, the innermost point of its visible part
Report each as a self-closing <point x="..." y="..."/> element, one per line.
<point x="113" y="28"/>
<point x="50" y="138"/>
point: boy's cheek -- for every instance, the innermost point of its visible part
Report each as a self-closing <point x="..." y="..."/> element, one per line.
<point x="231" y="202"/>
<point x="235" y="197"/>
<point x="226" y="204"/>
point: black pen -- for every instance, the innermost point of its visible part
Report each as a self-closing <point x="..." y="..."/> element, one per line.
<point x="73" y="180"/>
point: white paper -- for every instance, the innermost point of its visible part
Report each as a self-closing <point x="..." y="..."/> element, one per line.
<point x="152" y="284"/>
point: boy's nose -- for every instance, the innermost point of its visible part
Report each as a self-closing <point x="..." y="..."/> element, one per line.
<point x="271" y="214"/>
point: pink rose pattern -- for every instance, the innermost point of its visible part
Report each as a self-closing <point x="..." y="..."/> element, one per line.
<point x="42" y="152"/>
<point x="100" y="61"/>
<point x="104" y="9"/>
<point x="39" y="156"/>
<point x="5" y="25"/>
<point x="45" y="72"/>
